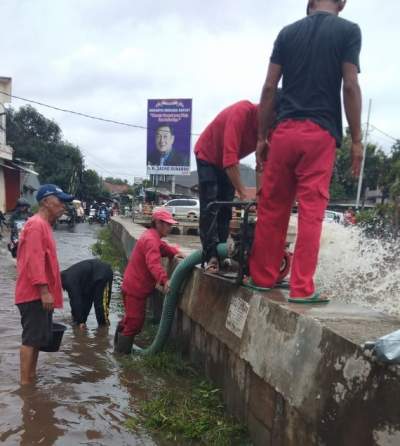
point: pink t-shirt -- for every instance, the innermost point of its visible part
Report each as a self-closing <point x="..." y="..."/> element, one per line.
<point x="37" y="263"/>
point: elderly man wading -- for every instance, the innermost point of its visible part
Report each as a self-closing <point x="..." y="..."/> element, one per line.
<point x="38" y="289"/>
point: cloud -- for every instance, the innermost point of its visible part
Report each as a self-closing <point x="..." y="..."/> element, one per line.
<point x="107" y="58"/>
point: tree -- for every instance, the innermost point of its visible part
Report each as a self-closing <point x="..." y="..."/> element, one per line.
<point x="91" y="186"/>
<point x="343" y="185"/>
<point x="39" y="140"/>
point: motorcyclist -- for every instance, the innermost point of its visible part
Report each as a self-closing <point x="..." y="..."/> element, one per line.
<point x="70" y="210"/>
<point x="103" y="208"/>
<point x="21" y="211"/>
<point x="2" y="222"/>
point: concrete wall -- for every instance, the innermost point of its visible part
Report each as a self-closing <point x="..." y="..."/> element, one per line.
<point x="296" y="375"/>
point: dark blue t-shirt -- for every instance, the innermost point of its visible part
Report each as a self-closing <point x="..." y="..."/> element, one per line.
<point x="311" y="52"/>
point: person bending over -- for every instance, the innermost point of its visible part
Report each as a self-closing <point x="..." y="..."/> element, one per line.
<point x="88" y="283"/>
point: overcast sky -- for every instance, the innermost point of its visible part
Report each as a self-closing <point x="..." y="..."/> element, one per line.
<point x="107" y="58"/>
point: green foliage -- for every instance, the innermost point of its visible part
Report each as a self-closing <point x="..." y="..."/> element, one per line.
<point x="190" y="410"/>
<point x="343" y="185"/>
<point x="91" y="187"/>
<point x="381" y="171"/>
<point x="106" y="250"/>
<point x="197" y="416"/>
<point x="39" y="140"/>
<point x="167" y="362"/>
<point x="377" y="222"/>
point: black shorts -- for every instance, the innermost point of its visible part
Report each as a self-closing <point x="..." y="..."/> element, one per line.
<point x="36" y="324"/>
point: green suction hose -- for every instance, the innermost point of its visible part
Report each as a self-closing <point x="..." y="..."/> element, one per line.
<point x="180" y="273"/>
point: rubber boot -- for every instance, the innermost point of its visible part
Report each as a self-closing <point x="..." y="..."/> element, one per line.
<point x="117" y="330"/>
<point x="124" y="344"/>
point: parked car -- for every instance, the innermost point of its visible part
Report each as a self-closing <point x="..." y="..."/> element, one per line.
<point x="333" y="217"/>
<point x="185" y="208"/>
<point x="68" y="217"/>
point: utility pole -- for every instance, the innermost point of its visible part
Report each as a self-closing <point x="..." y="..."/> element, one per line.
<point x="360" y="179"/>
<point x="173" y="184"/>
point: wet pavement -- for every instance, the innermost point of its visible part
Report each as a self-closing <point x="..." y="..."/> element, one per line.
<point x="82" y="396"/>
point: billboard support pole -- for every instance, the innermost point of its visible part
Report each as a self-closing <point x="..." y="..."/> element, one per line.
<point x="173" y="184"/>
<point x="360" y="178"/>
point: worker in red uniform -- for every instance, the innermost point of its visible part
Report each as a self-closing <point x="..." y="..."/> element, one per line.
<point x="143" y="274"/>
<point x="315" y="56"/>
<point x="231" y="136"/>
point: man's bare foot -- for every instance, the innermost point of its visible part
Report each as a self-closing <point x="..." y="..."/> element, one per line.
<point x="82" y="326"/>
<point x="212" y="266"/>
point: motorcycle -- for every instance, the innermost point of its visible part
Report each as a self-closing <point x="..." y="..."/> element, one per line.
<point x="14" y="238"/>
<point x="102" y="217"/>
<point x="92" y="216"/>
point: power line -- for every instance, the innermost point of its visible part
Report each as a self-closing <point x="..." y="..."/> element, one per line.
<point x="84" y="115"/>
<point x="98" y="165"/>
<point x="126" y="124"/>
<point x="384" y="133"/>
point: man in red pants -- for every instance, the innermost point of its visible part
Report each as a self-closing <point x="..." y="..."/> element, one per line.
<point x="143" y="274"/>
<point x="314" y="55"/>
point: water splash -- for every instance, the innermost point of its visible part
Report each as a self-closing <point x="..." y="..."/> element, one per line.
<point x="356" y="269"/>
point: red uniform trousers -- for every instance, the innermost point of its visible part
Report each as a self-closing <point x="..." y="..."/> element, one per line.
<point x="300" y="164"/>
<point x="135" y="309"/>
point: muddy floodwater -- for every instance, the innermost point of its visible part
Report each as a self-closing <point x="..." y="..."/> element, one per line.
<point x="82" y="396"/>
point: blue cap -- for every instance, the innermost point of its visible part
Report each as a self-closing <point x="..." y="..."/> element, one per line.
<point x="51" y="189"/>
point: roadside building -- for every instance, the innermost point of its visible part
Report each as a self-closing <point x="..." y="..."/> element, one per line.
<point x="116" y="189"/>
<point x="17" y="178"/>
<point x="188" y="185"/>
<point x="7" y="179"/>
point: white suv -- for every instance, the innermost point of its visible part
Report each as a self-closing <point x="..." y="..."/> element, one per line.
<point x="333" y="217"/>
<point x="187" y="208"/>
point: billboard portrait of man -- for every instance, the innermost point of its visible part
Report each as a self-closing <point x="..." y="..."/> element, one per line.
<point x="169" y="136"/>
<point x="164" y="153"/>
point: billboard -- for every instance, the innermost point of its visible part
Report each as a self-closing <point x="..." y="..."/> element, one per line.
<point x="169" y="123"/>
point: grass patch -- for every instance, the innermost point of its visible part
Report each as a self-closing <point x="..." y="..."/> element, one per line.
<point x="189" y="410"/>
<point x="167" y="363"/>
<point x="108" y="251"/>
<point x="198" y="417"/>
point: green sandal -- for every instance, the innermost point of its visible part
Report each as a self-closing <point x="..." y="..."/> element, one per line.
<point x="250" y="284"/>
<point x="284" y="285"/>
<point x="314" y="299"/>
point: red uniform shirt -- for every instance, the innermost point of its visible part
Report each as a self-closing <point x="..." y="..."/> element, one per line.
<point x="230" y="137"/>
<point x="144" y="269"/>
<point x="37" y="263"/>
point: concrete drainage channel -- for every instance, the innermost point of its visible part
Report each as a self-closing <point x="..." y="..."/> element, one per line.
<point x="294" y="375"/>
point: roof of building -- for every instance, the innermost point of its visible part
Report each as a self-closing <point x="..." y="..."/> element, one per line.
<point x="247" y="174"/>
<point x="250" y="193"/>
<point x="116" y="188"/>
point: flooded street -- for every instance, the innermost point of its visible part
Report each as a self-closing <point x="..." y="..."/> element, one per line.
<point x="82" y="396"/>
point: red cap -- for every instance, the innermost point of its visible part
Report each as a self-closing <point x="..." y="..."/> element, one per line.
<point x="161" y="214"/>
